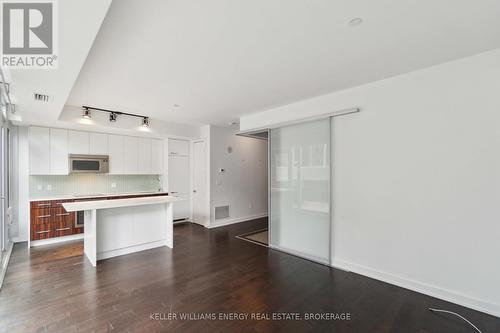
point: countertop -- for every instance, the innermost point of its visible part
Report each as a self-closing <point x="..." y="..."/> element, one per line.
<point x="116" y="203"/>
<point x="91" y="196"/>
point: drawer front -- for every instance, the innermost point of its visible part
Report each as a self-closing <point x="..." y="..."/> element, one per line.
<point x="40" y="204"/>
<point x="63" y="216"/>
<point x="58" y="203"/>
<point x="41" y="215"/>
<point x="59" y="211"/>
<point x="42" y="231"/>
<point x="63" y="226"/>
<point x="48" y="203"/>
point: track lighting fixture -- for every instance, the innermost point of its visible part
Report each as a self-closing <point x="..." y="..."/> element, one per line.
<point x="113" y="115"/>
<point x="86" y="113"/>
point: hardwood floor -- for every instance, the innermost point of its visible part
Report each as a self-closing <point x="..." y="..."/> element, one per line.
<point x="53" y="289"/>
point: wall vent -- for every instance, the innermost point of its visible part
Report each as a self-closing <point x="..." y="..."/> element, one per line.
<point x="221" y="212"/>
<point x="41" y="97"/>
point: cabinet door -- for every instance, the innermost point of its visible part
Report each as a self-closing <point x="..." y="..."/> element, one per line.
<point x="39" y="141"/>
<point x="178" y="175"/>
<point x="157" y="156"/>
<point x="181" y="209"/>
<point x="144" y="154"/>
<point x="115" y="151"/>
<point x="98" y="144"/>
<point x="178" y="147"/>
<point x="130" y="155"/>
<point x="78" y="142"/>
<point x="58" y="151"/>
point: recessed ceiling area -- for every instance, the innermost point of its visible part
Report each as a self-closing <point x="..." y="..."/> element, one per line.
<point x="222" y="59"/>
<point x="202" y="62"/>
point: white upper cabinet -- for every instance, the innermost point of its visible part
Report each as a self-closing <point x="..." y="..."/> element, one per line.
<point x="157" y="156"/>
<point x="116" y="154"/>
<point x="131" y="156"/>
<point x="178" y="147"/>
<point x="78" y="142"/>
<point x="50" y="147"/>
<point x="58" y="147"/>
<point x="98" y="144"/>
<point x="39" y="140"/>
<point x="144" y="156"/>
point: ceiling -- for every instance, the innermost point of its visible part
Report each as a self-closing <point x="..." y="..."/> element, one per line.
<point x="78" y="23"/>
<point x="213" y="61"/>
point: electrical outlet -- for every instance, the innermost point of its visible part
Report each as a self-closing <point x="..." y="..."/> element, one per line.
<point x="49" y="187"/>
<point x="39" y="187"/>
<point x="250" y="205"/>
<point x="113" y="185"/>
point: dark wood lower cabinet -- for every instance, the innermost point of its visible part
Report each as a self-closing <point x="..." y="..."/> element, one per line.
<point x="49" y="218"/>
<point x="42" y="231"/>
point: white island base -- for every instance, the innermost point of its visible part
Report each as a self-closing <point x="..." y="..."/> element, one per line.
<point x="122" y="226"/>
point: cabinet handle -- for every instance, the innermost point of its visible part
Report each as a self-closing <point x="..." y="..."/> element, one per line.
<point x="43" y="216"/>
<point x="62" y="229"/>
<point x="43" y="232"/>
<point x="44" y="204"/>
<point x="65" y="214"/>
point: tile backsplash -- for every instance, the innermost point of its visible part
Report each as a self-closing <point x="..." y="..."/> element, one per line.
<point x="78" y="184"/>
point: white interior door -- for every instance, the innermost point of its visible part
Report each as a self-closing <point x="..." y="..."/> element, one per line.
<point x="200" y="211"/>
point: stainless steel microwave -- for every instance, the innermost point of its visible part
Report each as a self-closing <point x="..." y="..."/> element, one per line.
<point x="88" y="163"/>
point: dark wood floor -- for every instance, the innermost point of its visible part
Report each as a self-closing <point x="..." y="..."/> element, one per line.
<point x="53" y="289"/>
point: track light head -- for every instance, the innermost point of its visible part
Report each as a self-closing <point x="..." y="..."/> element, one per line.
<point x="145" y="122"/>
<point x="86" y="114"/>
<point x="112" y="117"/>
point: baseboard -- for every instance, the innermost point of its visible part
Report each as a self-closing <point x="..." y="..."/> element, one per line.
<point x="420" y="287"/>
<point x="19" y="239"/>
<point x="56" y="240"/>
<point x="235" y="220"/>
<point x="5" y="263"/>
<point x="131" y="249"/>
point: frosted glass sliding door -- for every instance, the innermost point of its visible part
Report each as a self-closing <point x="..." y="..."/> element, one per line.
<point x="300" y="189"/>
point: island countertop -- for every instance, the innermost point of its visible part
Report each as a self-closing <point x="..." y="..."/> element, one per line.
<point x="116" y="203"/>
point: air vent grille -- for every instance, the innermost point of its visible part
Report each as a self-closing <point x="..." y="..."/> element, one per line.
<point x="41" y="97"/>
<point x="221" y="212"/>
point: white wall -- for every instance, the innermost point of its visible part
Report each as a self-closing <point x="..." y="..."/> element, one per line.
<point x="417" y="178"/>
<point x="243" y="185"/>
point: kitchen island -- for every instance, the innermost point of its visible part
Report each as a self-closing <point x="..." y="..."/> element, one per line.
<point x="122" y="226"/>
